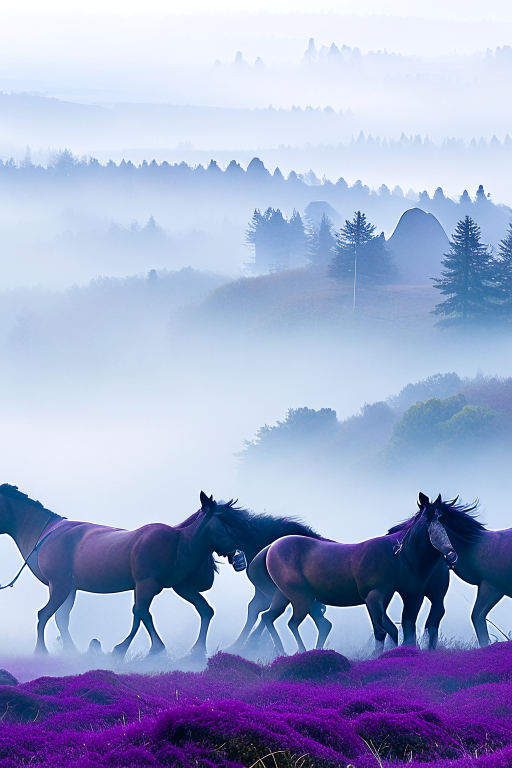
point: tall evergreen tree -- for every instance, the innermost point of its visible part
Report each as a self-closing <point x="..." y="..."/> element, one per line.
<point x="268" y="233"/>
<point x="361" y="257"/>
<point x="321" y="242"/>
<point x="298" y="240"/>
<point x="253" y="233"/>
<point x="470" y="278"/>
<point x="505" y="273"/>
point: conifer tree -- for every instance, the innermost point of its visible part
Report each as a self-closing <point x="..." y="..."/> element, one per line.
<point x="297" y="238"/>
<point x="251" y="234"/>
<point x="359" y="256"/>
<point x="505" y="274"/>
<point x="321" y="242"/>
<point x="268" y="233"/>
<point x="470" y="278"/>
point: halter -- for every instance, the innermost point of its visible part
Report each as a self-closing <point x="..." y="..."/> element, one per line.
<point x="399" y="543"/>
<point x="36" y="547"/>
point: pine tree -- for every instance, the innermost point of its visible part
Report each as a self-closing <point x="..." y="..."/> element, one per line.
<point x="278" y="253"/>
<point x="298" y="240"/>
<point x="268" y="233"/>
<point x="321" y="242"/>
<point x="470" y="278"/>
<point x="359" y="256"/>
<point x="252" y="233"/>
<point x="505" y="274"/>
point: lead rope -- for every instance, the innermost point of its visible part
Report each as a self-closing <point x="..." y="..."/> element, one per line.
<point x="36" y="545"/>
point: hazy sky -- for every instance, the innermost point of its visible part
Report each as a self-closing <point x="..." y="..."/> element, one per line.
<point x="435" y="9"/>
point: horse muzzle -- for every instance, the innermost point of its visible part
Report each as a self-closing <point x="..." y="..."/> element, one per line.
<point x="441" y="541"/>
<point x="451" y="558"/>
<point x="237" y="560"/>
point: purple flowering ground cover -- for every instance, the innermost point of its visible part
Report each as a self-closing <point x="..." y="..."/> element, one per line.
<point x="450" y="709"/>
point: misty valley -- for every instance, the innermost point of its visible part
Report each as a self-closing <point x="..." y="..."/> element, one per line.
<point x="255" y="386"/>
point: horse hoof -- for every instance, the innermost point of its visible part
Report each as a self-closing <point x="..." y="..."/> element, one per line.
<point x="155" y="650"/>
<point x="41" y="650"/>
<point x="119" y="651"/>
<point x="198" y="653"/>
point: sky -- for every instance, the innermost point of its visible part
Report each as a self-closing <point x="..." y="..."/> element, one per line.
<point x="436" y="9"/>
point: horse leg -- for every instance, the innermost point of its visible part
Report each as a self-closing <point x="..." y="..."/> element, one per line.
<point x="376" y="606"/>
<point x="435" y="591"/>
<point x="58" y="595"/>
<point x="277" y="608"/>
<point x="486" y="599"/>
<point x="412" y="605"/>
<point x="324" y="626"/>
<point x="144" y="594"/>
<point x="302" y="605"/>
<point x="434" y="617"/>
<point x="205" y="612"/>
<point x="121" y="648"/>
<point x="390" y="628"/>
<point x="145" y="591"/>
<point x="62" y="621"/>
<point x="259" y="603"/>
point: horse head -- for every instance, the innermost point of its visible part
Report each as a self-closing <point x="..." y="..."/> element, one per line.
<point x="222" y="524"/>
<point x="433" y="513"/>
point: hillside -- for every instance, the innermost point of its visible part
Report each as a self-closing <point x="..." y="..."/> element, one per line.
<point x="299" y="297"/>
<point x="316" y="710"/>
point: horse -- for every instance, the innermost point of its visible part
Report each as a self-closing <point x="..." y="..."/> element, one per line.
<point x="405" y="560"/>
<point x="482" y="557"/>
<point x="254" y="534"/>
<point x="71" y="555"/>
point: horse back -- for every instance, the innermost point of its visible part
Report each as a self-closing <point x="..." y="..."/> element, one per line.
<point x="321" y="569"/>
<point x="488" y="559"/>
<point x="98" y="558"/>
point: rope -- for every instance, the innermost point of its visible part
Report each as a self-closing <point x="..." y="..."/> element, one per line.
<point x="34" y="548"/>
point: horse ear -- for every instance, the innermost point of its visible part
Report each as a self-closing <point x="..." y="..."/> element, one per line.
<point x="206" y="503"/>
<point x="423" y="501"/>
<point x="438" y="500"/>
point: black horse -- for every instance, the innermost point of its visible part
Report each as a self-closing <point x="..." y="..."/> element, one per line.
<point x="252" y="533"/>
<point x="481" y="557"/>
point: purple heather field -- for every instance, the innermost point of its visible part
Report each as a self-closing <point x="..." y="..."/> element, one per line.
<point x="452" y="708"/>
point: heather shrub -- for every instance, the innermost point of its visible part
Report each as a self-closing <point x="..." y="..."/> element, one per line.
<point x="317" y="665"/>
<point x="236" y="668"/>
<point x="6" y="678"/>
<point x="449" y="709"/>
<point x="402" y="736"/>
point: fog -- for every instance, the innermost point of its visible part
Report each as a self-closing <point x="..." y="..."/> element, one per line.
<point x="141" y="343"/>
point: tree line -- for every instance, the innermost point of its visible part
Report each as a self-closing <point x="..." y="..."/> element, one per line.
<point x="476" y="280"/>
<point x="443" y="417"/>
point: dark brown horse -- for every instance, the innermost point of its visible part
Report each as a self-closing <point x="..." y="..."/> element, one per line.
<point x="69" y="555"/>
<point x="403" y="561"/>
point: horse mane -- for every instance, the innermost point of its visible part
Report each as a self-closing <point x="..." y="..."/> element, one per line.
<point x="458" y="519"/>
<point x="13" y="492"/>
<point x="405" y="524"/>
<point x="264" y="527"/>
<point x="460" y="522"/>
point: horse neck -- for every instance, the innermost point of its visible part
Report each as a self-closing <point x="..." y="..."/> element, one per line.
<point x="27" y="524"/>
<point x="421" y="555"/>
<point x="188" y="521"/>
<point x="251" y="543"/>
<point x="196" y="544"/>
